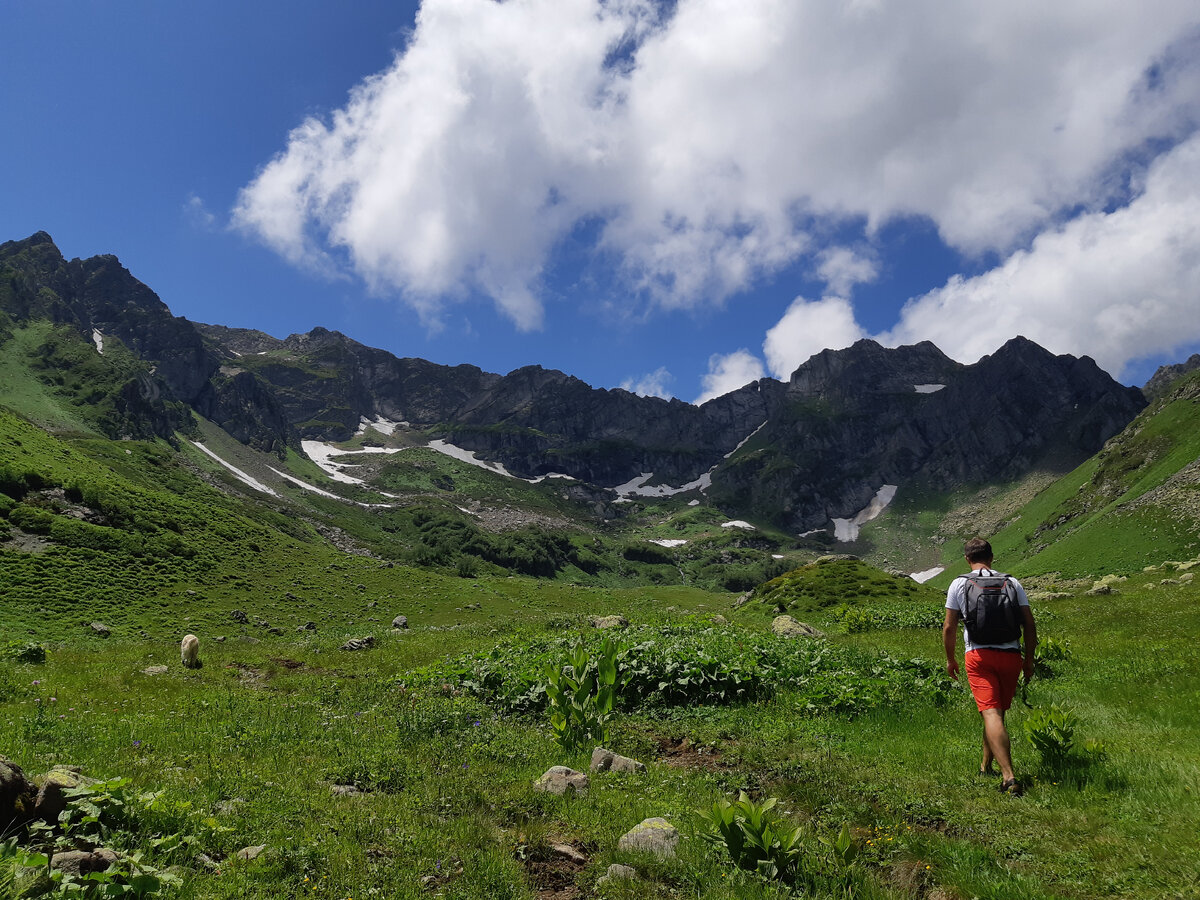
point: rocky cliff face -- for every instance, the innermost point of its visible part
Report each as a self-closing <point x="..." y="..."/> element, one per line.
<point x="846" y="422"/>
<point x="856" y="419"/>
<point x="1164" y="379"/>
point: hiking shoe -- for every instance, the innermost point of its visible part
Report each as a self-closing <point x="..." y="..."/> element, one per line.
<point x="1011" y="786"/>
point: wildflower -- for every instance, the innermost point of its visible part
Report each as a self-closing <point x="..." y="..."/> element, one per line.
<point x="53" y="699"/>
<point x="36" y="681"/>
<point x="137" y="744"/>
<point x="477" y="723"/>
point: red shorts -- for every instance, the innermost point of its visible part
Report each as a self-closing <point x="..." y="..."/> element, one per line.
<point x="993" y="676"/>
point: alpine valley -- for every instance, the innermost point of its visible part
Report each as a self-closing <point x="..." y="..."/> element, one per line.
<point x="396" y="569"/>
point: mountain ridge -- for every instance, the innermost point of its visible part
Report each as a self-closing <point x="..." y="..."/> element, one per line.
<point x="796" y="453"/>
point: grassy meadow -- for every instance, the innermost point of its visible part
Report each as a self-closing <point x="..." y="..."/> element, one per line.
<point x="438" y="731"/>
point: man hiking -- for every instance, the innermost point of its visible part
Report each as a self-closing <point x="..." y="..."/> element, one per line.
<point x="994" y="611"/>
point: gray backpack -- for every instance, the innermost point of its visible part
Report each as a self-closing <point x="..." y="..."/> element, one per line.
<point x="991" y="612"/>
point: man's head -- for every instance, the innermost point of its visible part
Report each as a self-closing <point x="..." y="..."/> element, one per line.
<point x="977" y="550"/>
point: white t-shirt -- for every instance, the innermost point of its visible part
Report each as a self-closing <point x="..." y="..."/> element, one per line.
<point x="954" y="600"/>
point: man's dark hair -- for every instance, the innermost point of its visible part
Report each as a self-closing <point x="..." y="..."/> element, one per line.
<point x="977" y="550"/>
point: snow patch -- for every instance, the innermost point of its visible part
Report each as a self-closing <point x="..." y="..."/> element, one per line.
<point x="812" y="532"/>
<point x="316" y="490"/>
<point x="746" y="440"/>
<point x="322" y="454"/>
<point x="98" y="340"/>
<point x="922" y="577"/>
<point x="637" y="487"/>
<point x="469" y="457"/>
<point x="738" y="523"/>
<point x="669" y="542"/>
<point x="693" y="503"/>
<point x="380" y="424"/>
<point x="776" y="556"/>
<point x="927" y="388"/>
<point x="238" y="473"/>
<point x="846" y="530"/>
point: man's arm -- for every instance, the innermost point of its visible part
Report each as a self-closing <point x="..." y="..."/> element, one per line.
<point x="1030" y="641"/>
<point x="949" y="640"/>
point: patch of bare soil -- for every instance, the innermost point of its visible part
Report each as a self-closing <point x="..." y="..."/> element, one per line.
<point x="286" y="663"/>
<point x="553" y="871"/>
<point x="248" y="675"/>
<point x="24" y="542"/>
<point x="509" y="519"/>
<point x="683" y="753"/>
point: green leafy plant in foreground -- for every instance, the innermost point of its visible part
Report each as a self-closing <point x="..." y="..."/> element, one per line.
<point x="1051" y="731"/>
<point x="581" y="699"/>
<point x="755" y="837"/>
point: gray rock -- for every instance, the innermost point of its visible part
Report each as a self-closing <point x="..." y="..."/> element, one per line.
<point x="566" y="851"/>
<point x="52" y="795"/>
<point x="225" y="807"/>
<point x="207" y="863"/>
<point x="362" y="643"/>
<point x="562" y="781"/>
<point x="17" y="795"/>
<point x="1100" y="588"/>
<point x="400" y="623"/>
<point x="240" y="617"/>
<point x="101" y="629"/>
<point x="617" y="872"/>
<point x="656" y="835"/>
<point x="1170" y="581"/>
<point x="249" y="853"/>
<point x="609" y="622"/>
<point x="719" y="620"/>
<point x="786" y="626"/>
<point x="344" y="790"/>
<point x="155" y="670"/>
<point x="80" y="862"/>
<point x="607" y="761"/>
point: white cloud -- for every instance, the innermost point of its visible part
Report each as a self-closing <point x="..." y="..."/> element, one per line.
<point x="808" y="327"/>
<point x="1115" y="286"/>
<point x="841" y="268"/>
<point x="721" y="139"/>
<point x="728" y="372"/>
<point x="651" y="385"/>
<point x="197" y="213"/>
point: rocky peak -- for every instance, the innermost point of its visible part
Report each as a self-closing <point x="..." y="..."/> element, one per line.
<point x="1162" y="380"/>
<point x="867" y="368"/>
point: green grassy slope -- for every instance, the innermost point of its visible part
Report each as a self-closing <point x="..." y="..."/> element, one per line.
<point x="1133" y="504"/>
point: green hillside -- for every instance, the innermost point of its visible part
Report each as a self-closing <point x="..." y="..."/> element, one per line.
<point x="1134" y="504"/>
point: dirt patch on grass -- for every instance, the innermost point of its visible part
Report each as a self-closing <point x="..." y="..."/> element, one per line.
<point x="552" y="871"/>
<point x="248" y="675"/>
<point x="286" y="663"/>
<point x="681" y="752"/>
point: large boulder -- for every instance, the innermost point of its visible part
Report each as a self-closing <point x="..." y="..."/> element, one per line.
<point x="562" y="781"/>
<point x="656" y="835"/>
<point x="786" y="626"/>
<point x="607" y="761"/>
<point x="81" y="863"/>
<point x="400" y="623"/>
<point x="17" y="796"/>
<point x="52" y="795"/>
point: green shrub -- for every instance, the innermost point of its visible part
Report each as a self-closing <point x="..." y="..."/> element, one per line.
<point x="756" y="839"/>
<point x="24" y="651"/>
<point x="581" y="699"/>
<point x="1051" y="731"/>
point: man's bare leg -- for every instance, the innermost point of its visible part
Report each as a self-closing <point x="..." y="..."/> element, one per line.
<point x="995" y="739"/>
<point x="986" y="766"/>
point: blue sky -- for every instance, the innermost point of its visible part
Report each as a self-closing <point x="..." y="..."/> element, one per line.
<point x="672" y="197"/>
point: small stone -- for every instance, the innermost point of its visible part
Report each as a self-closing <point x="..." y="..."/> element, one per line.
<point x="400" y="623"/>
<point x="607" y="761"/>
<point x="362" y="643"/>
<point x="617" y="872"/>
<point x="345" y="790"/>
<point x="249" y="853"/>
<point x="238" y="616"/>
<point x="786" y="626"/>
<point x="566" y="851"/>
<point x="562" y="781"/>
<point x="719" y="620"/>
<point x="155" y="670"/>
<point x="1187" y="576"/>
<point x="220" y="639"/>
<point x="1100" y="588"/>
<point x="226" y="807"/>
<point x="207" y="862"/>
<point x="603" y="622"/>
<point x="655" y="835"/>
<point x="101" y="629"/>
<point x="1170" y="581"/>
